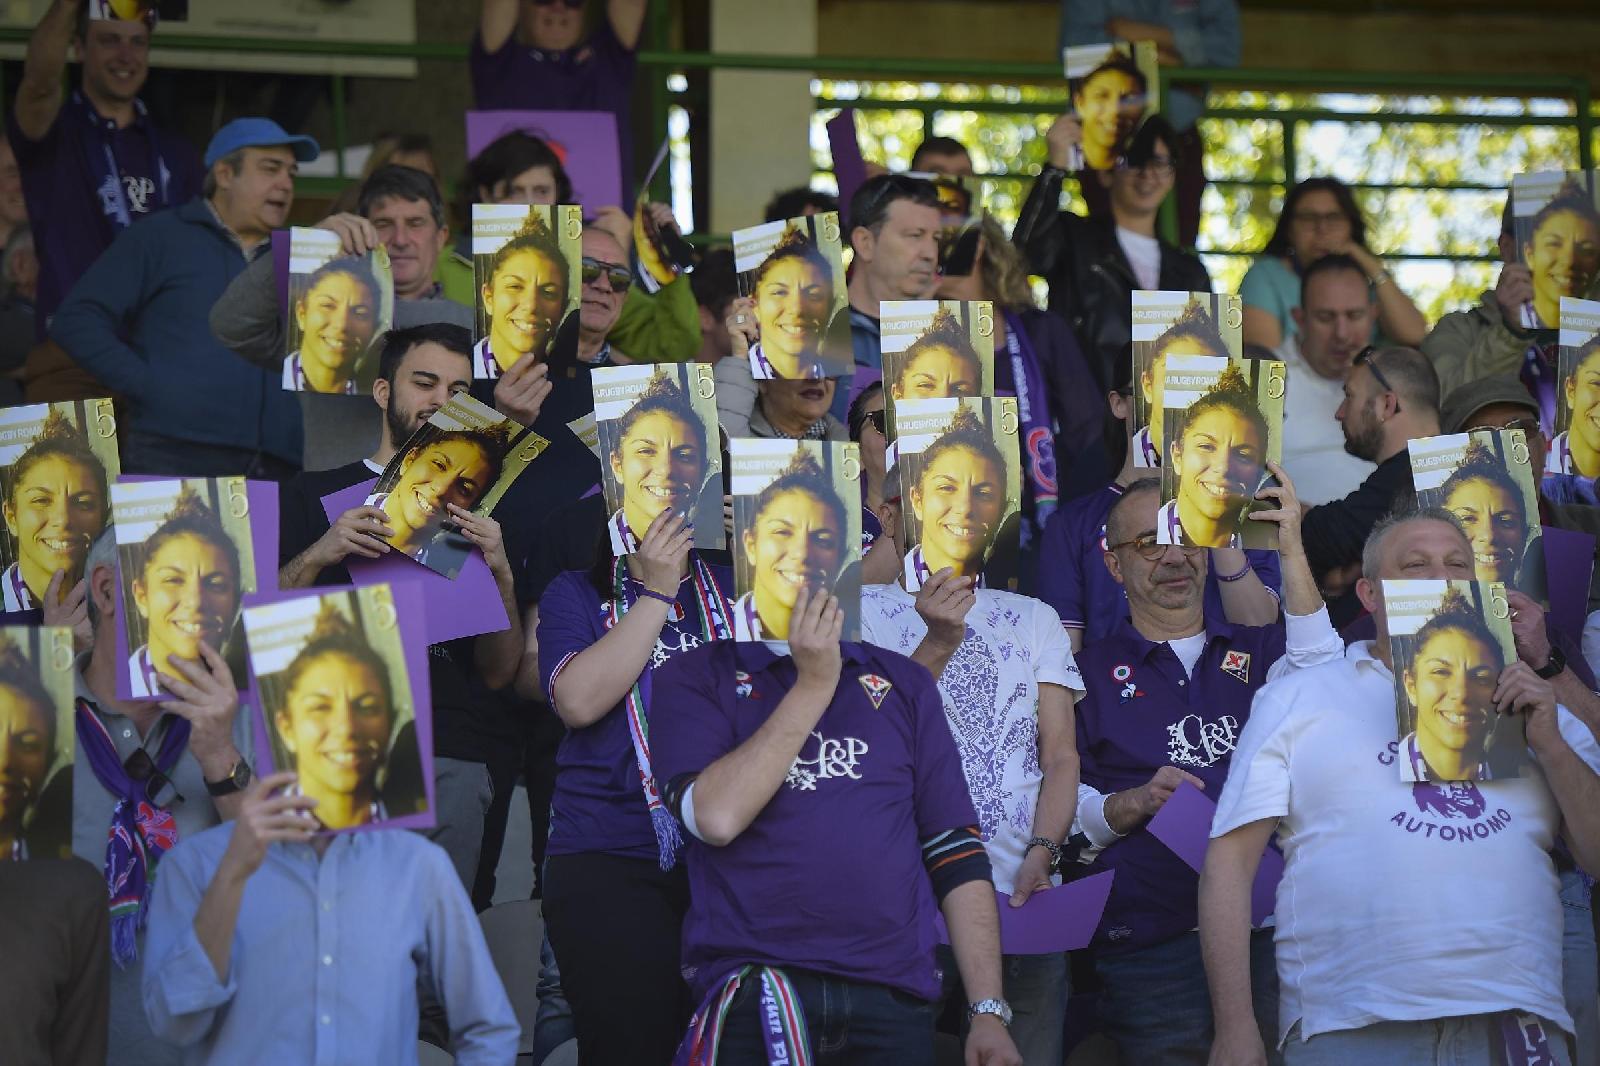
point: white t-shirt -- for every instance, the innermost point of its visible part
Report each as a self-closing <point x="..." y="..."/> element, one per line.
<point x="990" y="691"/>
<point x="1188" y="650"/>
<point x="1144" y="255"/>
<point x="1398" y="902"/>
<point x="1313" y="440"/>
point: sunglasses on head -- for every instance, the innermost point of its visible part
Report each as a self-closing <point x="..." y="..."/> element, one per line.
<point x="620" y="276"/>
<point x="140" y="767"/>
<point x="1368" y="357"/>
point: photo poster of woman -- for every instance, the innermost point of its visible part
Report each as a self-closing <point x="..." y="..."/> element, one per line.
<point x="1175" y="323"/>
<point x="796" y="525"/>
<point x="1114" y="88"/>
<point x="344" y="702"/>
<point x="1449" y="641"/>
<point x="467" y="455"/>
<point x="1222" y="422"/>
<point x="794" y="271"/>
<point x="1485" y="479"/>
<point x="139" y="10"/>
<point x="527" y="265"/>
<point x="1575" y="448"/>
<point x="340" y="306"/>
<point x="186" y="558"/>
<point x="37" y="684"/>
<point x="1555" y="218"/>
<point x="960" y="476"/>
<point x="934" y="349"/>
<point x="659" y="450"/>
<point x="57" y="464"/>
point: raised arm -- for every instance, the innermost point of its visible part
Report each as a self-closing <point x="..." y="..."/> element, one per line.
<point x="496" y="23"/>
<point x="943" y="602"/>
<point x="1225" y="881"/>
<point x="40" y="94"/>
<point x="359" y="531"/>
<point x="729" y="794"/>
<point x="496" y="654"/>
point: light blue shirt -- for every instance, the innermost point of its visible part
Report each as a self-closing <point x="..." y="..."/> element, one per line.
<point x="326" y="957"/>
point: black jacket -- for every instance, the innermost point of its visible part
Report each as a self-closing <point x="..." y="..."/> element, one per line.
<point x="1091" y="282"/>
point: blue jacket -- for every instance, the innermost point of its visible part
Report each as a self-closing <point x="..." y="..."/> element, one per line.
<point x="139" y="321"/>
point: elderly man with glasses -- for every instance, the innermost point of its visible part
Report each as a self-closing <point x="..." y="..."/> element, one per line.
<point x="1167" y="694"/>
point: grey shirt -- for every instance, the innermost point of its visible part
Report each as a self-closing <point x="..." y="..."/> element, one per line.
<point x="131" y="1040"/>
<point x="339" y="429"/>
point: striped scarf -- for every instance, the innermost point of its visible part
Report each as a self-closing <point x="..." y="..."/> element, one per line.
<point x="714" y="625"/>
<point x="783" y="1021"/>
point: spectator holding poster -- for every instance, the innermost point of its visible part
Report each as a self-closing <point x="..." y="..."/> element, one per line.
<point x="526" y="259"/>
<point x="1575" y="449"/>
<point x="794" y="273"/>
<point x="1556" y="219"/>
<point x="37" y="743"/>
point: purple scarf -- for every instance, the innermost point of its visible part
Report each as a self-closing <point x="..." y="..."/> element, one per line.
<point x="1038" y="435"/>
<point x="140" y="831"/>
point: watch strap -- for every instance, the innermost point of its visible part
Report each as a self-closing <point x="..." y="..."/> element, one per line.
<point x="238" y="777"/>
<point x="1556" y="664"/>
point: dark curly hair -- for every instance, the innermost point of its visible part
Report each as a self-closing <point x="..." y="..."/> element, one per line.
<point x="334" y="634"/>
<point x="534" y="235"/>
<point x="1456" y="613"/>
<point x="794" y="244"/>
<point x="493" y="441"/>
<point x="190" y="516"/>
<point x="945" y="331"/>
<point x="966" y="430"/>
<point x="59" y="438"/>
<point x="21" y="673"/>
<point x="802" y="474"/>
<point x="1480" y="463"/>
<point x="1231" y="392"/>
<point x="663" y="395"/>
<point x="1574" y="197"/>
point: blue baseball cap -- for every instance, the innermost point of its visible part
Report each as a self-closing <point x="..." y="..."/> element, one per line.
<point x="258" y="133"/>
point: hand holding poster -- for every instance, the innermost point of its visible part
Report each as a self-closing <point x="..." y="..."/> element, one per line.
<point x="339" y="309"/>
<point x="660" y="450"/>
<point x="1485" y="479"/>
<point x="797" y="524"/>
<point x="936" y="348"/>
<point x="1448" y="643"/>
<point x="794" y="271"/>
<point x="527" y="262"/>
<point x="960" y="478"/>
<point x="1175" y="323"/>
<point x="1556" y="219"/>
<point x="1575" y="449"/>
<point x="57" y="463"/>
<point x="1221" y="425"/>
<point x="465" y="456"/>
<point x="343" y="678"/>
<point x="36" y="715"/>
<point x="1114" y="88"/>
<point x="185" y="561"/>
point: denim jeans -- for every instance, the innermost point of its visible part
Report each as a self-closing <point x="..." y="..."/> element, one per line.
<point x="1156" y="1006"/>
<point x="1580" y="968"/>
<point x="848" y="1023"/>
<point x="553" y="1025"/>
<point x="1472" y="1040"/>
<point x="1035" y="986"/>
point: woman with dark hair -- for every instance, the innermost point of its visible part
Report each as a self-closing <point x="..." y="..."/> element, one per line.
<point x="940" y="363"/>
<point x="56" y="506"/>
<point x="1482" y="493"/>
<point x="1319" y="218"/>
<point x="795" y="539"/>
<point x="336" y="319"/>
<point x="1193" y="333"/>
<point x="1217" y="462"/>
<point x="794" y="292"/>
<point x="455" y="467"/>
<point x="27" y="747"/>
<point x="659" y="458"/>
<point x="615" y="892"/>
<point x="1576" y="449"/>
<point x="1109" y="102"/>
<point x="1449" y="680"/>
<point x="335" y="717"/>
<point x="1562" y="250"/>
<point x="524" y="300"/>
<point x="187" y="590"/>
<point x="958" y="498"/>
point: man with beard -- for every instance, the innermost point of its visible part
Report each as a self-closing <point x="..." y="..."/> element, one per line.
<point x="419" y="370"/>
<point x="1391" y="396"/>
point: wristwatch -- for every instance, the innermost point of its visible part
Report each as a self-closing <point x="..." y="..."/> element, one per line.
<point x="1049" y="845"/>
<point x="997" y="1007"/>
<point x="238" y="777"/>
<point x="1554" y="666"/>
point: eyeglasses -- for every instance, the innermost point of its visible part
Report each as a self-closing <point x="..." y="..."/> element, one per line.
<point x="140" y="767"/>
<point x="1158" y="164"/>
<point x="1368" y="357"/>
<point x="1323" y="220"/>
<point x="620" y="276"/>
<point x="1152" y="550"/>
<point x="876" y="421"/>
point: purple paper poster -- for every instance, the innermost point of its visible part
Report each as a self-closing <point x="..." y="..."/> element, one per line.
<point x="1053" y="919"/>
<point x="586" y="141"/>
<point x="1184" y="825"/>
<point x="1568" y="560"/>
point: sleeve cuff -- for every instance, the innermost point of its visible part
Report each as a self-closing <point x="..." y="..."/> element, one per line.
<point x="1092" y="817"/>
<point x="1310" y="632"/>
<point x="187" y="982"/>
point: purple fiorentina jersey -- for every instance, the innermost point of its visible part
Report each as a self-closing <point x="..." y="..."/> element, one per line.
<point x="1074" y="579"/>
<point x="597" y="75"/>
<point x="1140" y="712"/>
<point x="599" y="803"/>
<point x="829" y="876"/>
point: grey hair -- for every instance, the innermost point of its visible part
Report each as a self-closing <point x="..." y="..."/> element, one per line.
<point x="103" y="552"/>
<point x="1372" y="553"/>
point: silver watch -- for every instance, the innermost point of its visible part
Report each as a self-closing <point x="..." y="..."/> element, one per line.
<point x="997" y="1007"/>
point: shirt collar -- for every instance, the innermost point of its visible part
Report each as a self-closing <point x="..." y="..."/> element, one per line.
<point x="1215" y="629"/>
<point x="1360" y="654"/>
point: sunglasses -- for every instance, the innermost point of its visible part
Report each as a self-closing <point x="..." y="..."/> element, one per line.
<point x="1152" y="550"/>
<point x="1529" y="426"/>
<point x="620" y="276"/>
<point x="876" y="421"/>
<point x="140" y="767"/>
<point x="1368" y="357"/>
